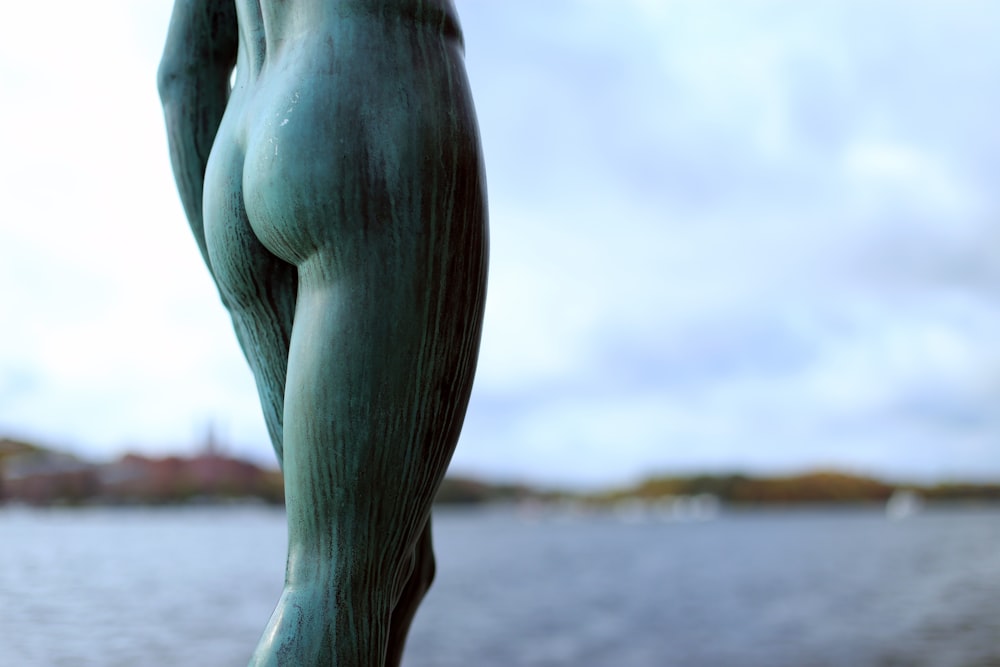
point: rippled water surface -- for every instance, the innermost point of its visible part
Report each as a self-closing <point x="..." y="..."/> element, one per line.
<point x="194" y="587"/>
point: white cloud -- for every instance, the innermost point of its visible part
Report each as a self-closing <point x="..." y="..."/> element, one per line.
<point x="887" y="177"/>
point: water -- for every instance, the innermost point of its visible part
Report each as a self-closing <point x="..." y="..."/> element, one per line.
<point x="109" y="588"/>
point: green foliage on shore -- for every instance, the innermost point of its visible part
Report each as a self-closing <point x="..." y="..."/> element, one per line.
<point x="811" y="487"/>
<point x="825" y="487"/>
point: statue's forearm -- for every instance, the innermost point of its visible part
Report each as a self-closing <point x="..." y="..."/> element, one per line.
<point x="193" y="81"/>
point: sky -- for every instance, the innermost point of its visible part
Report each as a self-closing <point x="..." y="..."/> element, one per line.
<point x="757" y="235"/>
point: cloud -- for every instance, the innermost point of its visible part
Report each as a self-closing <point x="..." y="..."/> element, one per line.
<point x="723" y="235"/>
<point x="768" y="238"/>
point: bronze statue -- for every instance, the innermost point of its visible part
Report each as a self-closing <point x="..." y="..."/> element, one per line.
<point x="328" y="160"/>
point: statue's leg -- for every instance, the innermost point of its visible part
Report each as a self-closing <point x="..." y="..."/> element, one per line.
<point x="380" y="368"/>
<point x="376" y="194"/>
<point x="372" y="409"/>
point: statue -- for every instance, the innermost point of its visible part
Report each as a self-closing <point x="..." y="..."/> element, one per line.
<point x="328" y="160"/>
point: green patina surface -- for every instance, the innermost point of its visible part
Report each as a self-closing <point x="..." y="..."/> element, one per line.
<point x="335" y="187"/>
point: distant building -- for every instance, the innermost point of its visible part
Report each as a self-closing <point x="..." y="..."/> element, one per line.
<point x="37" y="476"/>
<point x="136" y="478"/>
<point x="43" y="478"/>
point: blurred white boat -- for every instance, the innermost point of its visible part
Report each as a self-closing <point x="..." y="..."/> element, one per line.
<point x="903" y="504"/>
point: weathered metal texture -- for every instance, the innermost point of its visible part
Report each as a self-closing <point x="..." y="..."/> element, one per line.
<point x="336" y="190"/>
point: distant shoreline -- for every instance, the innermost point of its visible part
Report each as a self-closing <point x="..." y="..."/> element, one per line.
<point x="40" y="476"/>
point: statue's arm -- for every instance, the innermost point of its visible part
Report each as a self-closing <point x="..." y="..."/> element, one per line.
<point x="193" y="81"/>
